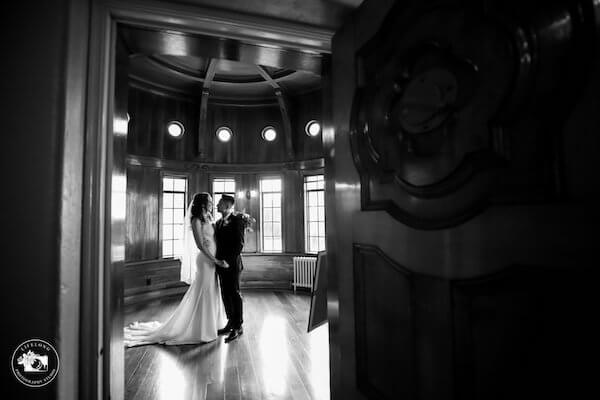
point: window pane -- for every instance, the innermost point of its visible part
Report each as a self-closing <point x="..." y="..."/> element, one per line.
<point x="276" y="229"/>
<point x="167" y="231"/>
<point x="321" y="182"/>
<point x="167" y="216"/>
<point x="277" y="200"/>
<point x="167" y="248"/>
<point x="179" y="185"/>
<point x="265" y="185"/>
<point x="172" y="215"/>
<point x="268" y="214"/>
<point x="313" y="213"/>
<point x="267" y="200"/>
<point x="178" y="216"/>
<point x="179" y="200"/>
<point x="218" y="186"/>
<point x="167" y="200"/>
<point x="314" y="244"/>
<point x="267" y="229"/>
<point x="276" y="185"/>
<point x="178" y="247"/>
<point x="268" y="244"/>
<point x="313" y="229"/>
<point x="277" y="215"/>
<point x="271" y="214"/>
<point x="230" y="186"/>
<point x="178" y="231"/>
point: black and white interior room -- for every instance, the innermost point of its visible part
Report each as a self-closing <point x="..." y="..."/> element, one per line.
<point x="318" y="199"/>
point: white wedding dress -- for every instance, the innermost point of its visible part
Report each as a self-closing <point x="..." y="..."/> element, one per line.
<point x="200" y="313"/>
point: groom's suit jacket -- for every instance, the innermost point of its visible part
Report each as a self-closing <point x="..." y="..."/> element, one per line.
<point x="230" y="241"/>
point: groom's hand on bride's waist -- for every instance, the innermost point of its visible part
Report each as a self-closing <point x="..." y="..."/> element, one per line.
<point x="222" y="264"/>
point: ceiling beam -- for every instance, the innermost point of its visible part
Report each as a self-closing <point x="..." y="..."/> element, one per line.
<point x="203" y="134"/>
<point x="265" y="75"/>
<point x="284" y="108"/>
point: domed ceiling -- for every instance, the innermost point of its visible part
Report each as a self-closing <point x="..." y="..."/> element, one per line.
<point x="225" y="80"/>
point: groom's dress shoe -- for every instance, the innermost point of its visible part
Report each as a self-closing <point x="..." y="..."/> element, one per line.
<point x="223" y="331"/>
<point x="235" y="333"/>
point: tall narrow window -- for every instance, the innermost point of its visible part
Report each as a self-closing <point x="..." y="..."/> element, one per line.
<point x="222" y="186"/>
<point x="174" y="191"/>
<point x="314" y="213"/>
<point x="270" y="205"/>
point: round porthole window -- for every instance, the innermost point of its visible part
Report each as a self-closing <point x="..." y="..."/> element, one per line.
<point x="313" y="128"/>
<point x="269" y="133"/>
<point x="224" y="134"/>
<point x="175" y="129"/>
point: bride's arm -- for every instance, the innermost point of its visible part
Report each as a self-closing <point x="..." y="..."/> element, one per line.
<point x="197" y="230"/>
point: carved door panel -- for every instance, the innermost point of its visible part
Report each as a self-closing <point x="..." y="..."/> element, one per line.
<point x="454" y="184"/>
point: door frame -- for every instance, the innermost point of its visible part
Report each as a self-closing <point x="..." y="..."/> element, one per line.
<point x="101" y="363"/>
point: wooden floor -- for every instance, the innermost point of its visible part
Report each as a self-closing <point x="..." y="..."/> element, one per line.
<point x="274" y="359"/>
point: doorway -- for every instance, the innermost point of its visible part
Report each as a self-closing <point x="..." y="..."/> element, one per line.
<point x="237" y="38"/>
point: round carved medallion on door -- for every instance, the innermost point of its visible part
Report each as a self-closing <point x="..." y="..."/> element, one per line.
<point x="439" y="90"/>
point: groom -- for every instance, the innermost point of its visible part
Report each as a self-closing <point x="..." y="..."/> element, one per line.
<point x="229" y="234"/>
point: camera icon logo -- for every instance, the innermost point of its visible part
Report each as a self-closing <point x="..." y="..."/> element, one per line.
<point x="35" y="363"/>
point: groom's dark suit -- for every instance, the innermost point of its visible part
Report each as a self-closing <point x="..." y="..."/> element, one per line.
<point x="229" y="233"/>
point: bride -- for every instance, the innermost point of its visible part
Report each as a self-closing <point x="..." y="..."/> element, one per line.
<point x="200" y="312"/>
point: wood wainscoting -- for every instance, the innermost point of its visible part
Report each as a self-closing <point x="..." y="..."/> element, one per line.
<point x="151" y="279"/>
<point x="268" y="271"/>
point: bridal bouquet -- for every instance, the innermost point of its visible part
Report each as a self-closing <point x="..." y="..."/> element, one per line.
<point x="247" y="221"/>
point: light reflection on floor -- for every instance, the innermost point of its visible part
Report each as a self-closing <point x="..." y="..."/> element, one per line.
<point x="185" y="372"/>
<point x="172" y="381"/>
<point x="273" y="355"/>
<point x="319" y="357"/>
<point x="274" y="359"/>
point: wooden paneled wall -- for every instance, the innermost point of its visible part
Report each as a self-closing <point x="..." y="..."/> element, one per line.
<point x="145" y="280"/>
<point x="150" y="112"/>
<point x="143" y="214"/>
<point x="143" y="190"/>
<point x="246" y="158"/>
<point x="247" y="144"/>
<point x="274" y="271"/>
<point x="307" y="107"/>
<point x="149" y="115"/>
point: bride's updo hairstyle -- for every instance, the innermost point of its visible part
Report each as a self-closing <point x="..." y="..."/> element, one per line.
<point x="200" y="205"/>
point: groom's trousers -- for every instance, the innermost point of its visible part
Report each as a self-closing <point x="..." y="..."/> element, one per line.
<point x="232" y="297"/>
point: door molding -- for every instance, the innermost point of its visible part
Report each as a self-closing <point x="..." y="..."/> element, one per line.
<point x="99" y="302"/>
<point x="434" y="162"/>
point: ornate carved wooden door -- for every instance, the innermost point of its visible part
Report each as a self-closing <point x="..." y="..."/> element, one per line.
<point x="460" y="201"/>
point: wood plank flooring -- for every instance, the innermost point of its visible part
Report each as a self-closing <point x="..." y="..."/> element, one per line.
<point x="274" y="359"/>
